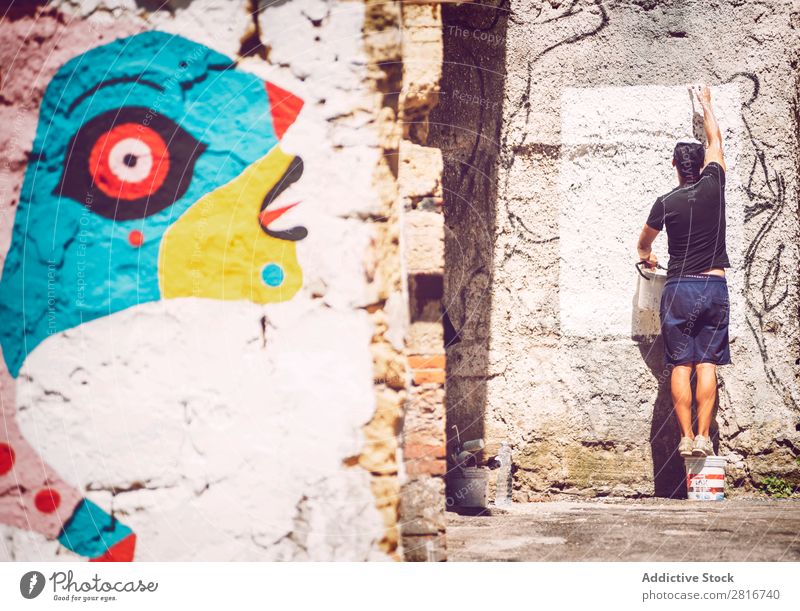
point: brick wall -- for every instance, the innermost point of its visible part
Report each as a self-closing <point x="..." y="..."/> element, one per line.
<point x="419" y="175"/>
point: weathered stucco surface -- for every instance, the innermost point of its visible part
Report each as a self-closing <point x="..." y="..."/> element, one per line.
<point x="222" y="430"/>
<point x="584" y="405"/>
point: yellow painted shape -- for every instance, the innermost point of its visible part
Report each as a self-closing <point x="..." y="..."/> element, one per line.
<point x="217" y="249"/>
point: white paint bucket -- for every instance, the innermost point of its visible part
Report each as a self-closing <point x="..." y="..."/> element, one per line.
<point x="651" y="285"/>
<point x="705" y="478"/>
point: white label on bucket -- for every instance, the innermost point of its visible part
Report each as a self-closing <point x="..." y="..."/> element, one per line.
<point x="705" y="478"/>
<point x="616" y="151"/>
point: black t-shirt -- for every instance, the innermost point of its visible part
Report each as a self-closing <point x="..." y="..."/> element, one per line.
<point x="695" y="219"/>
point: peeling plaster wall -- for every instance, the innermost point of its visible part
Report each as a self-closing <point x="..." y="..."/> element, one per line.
<point x="228" y="430"/>
<point x="586" y="139"/>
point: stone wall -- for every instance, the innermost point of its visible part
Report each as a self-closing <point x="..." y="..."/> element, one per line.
<point x="551" y="353"/>
<point x="232" y="379"/>
<point x="422" y="505"/>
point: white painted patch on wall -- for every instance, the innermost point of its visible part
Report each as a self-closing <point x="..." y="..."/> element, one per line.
<point x="211" y="433"/>
<point x="615" y="160"/>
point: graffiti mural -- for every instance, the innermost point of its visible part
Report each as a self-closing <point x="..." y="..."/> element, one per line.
<point x="154" y="174"/>
<point x="769" y="200"/>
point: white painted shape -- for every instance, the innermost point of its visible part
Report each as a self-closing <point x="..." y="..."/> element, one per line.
<point x="330" y="56"/>
<point x="227" y="435"/>
<point x="616" y="159"/>
<point x="218" y="24"/>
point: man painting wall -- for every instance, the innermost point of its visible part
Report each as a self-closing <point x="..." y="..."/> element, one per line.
<point x="695" y="304"/>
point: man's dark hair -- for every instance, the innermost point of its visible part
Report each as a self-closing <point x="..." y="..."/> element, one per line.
<point x="689" y="157"/>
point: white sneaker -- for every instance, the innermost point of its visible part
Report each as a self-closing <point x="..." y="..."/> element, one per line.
<point x="702" y="446"/>
<point x="685" y="446"/>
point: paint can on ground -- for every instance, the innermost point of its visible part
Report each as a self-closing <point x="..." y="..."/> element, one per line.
<point x="468" y="487"/>
<point x="651" y="285"/>
<point x="705" y="478"/>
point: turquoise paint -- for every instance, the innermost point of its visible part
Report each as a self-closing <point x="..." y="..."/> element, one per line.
<point x="272" y="274"/>
<point x="68" y="265"/>
<point x="90" y="531"/>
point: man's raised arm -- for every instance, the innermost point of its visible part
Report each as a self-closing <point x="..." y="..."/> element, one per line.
<point x="713" y="135"/>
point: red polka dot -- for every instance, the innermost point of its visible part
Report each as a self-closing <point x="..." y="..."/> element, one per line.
<point x="6" y="458"/>
<point x="47" y="500"/>
<point x="136" y="238"/>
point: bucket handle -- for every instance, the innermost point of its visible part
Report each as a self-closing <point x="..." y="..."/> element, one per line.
<point x="639" y="269"/>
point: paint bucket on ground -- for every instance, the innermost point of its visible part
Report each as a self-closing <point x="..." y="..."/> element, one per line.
<point x="651" y="285"/>
<point x="705" y="478"/>
<point x="468" y="487"/>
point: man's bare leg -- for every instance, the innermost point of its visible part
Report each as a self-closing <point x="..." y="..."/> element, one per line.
<point x="706" y="395"/>
<point x="682" y="398"/>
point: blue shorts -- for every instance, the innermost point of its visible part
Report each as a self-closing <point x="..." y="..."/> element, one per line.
<point x="695" y="312"/>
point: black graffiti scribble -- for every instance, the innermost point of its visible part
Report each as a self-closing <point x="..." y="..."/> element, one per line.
<point x="468" y="128"/>
<point x="775" y="185"/>
<point x="767" y="195"/>
<point x="483" y="18"/>
<point x="493" y="13"/>
<point x="510" y="151"/>
<point x="770" y="282"/>
<point x="524" y="105"/>
<point x="468" y="166"/>
<point x="572" y="10"/>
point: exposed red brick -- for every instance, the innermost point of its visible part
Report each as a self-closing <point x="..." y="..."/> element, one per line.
<point x="434" y="466"/>
<point x="427" y="361"/>
<point x="424" y="451"/>
<point x="430" y="435"/>
<point x="429" y="376"/>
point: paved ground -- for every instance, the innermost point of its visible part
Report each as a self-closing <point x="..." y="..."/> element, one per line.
<point x="630" y="530"/>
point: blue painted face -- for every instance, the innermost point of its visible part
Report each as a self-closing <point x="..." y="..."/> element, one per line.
<point x="130" y="135"/>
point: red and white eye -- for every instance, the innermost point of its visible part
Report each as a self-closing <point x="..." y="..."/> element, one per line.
<point x="129" y="161"/>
